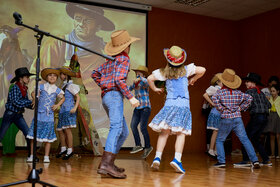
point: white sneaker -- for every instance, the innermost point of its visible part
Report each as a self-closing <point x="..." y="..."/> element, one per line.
<point x="29" y="159"/>
<point x="46" y="160"/>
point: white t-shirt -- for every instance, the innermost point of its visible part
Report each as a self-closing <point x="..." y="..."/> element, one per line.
<point x="72" y="88"/>
<point x="190" y="71"/>
<point x="212" y="90"/>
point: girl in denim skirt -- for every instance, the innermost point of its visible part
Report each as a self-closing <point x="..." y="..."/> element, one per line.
<point x="175" y="117"/>
<point x="67" y="113"/>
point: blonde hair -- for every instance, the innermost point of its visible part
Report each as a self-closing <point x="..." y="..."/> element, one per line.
<point x="173" y="72"/>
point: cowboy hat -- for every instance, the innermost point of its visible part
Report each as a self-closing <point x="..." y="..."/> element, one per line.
<point x="253" y="77"/>
<point x="230" y="79"/>
<point x="120" y="40"/>
<point x="214" y="79"/>
<point x="92" y="11"/>
<point x="143" y="69"/>
<point x="175" y="56"/>
<point x="21" y="72"/>
<point x="45" y="72"/>
<point x="67" y="71"/>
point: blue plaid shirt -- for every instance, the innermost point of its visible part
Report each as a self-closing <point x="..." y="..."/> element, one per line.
<point x="16" y="102"/>
<point x="231" y="102"/>
<point x="142" y="93"/>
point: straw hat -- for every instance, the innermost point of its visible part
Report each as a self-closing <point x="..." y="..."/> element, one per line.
<point x="120" y="40"/>
<point x="214" y="79"/>
<point x="67" y="71"/>
<point x="143" y="69"/>
<point x="230" y="79"/>
<point x="176" y="56"/>
<point x="46" y="71"/>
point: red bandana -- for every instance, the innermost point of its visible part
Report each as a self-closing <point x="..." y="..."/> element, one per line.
<point x="176" y="60"/>
<point x="125" y="54"/>
<point x="23" y="88"/>
<point x="224" y="87"/>
<point x="258" y="89"/>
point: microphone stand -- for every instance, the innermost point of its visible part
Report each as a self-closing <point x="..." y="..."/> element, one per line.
<point x="34" y="174"/>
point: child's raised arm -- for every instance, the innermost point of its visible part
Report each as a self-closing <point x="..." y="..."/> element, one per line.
<point x="208" y="99"/>
<point x="151" y="80"/>
<point x="199" y="72"/>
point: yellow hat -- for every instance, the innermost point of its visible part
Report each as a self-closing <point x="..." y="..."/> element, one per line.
<point x="176" y="56"/>
<point x="143" y="69"/>
<point x="46" y="71"/>
<point x="67" y="71"/>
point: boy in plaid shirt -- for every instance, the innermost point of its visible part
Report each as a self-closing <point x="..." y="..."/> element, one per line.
<point x="230" y="102"/>
<point x="111" y="78"/>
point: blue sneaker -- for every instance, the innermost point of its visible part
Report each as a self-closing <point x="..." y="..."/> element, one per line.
<point x="177" y="166"/>
<point x="156" y="163"/>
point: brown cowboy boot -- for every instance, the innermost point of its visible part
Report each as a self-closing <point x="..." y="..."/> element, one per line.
<point x="117" y="168"/>
<point x="107" y="166"/>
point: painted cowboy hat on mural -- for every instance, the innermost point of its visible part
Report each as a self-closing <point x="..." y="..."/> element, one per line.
<point x="46" y="71"/>
<point x="143" y="69"/>
<point x="91" y="11"/>
<point x="230" y="79"/>
<point x="120" y="40"/>
<point x="214" y="79"/>
<point x="67" y="71"/>
<point x="176" y="56"/>
<point x="21" y="72"/>
<point x="254" y="77"/>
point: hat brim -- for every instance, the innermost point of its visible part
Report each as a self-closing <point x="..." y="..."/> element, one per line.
<point x="144" y="72"/>
<point x="67" y="72"/>
<point x="233" y="85"/>
<point x="252" y="80"/>
<point x="172" y="63"/>
<point x="112" y="51"/>
<point x="47" y="71"/>
<point x="105" y="23"/>
<point x="17" y="78"/>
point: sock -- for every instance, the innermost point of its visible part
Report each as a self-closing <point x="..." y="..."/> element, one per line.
<point x="63" y="149"/>
<point x="158" y="154"/>
<point x="178" y="156"/>
<point x="69" y="151"/>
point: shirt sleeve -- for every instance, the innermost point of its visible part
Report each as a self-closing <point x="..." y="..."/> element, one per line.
<point x="216" y="101"/>
<point x="122" y="68"/>
<point x="247" y="99"/>
<point x="96" y="76"/>
<point x="144" y="82"/>
<point x="73" y="89"/>
<point x="211" y="90"/>
<point x="156" y="73"/>
<point x="17" y="99"/>
<point x="191" y="68"/>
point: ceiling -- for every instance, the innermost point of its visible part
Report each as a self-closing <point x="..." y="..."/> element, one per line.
<point x="224" y="9"/>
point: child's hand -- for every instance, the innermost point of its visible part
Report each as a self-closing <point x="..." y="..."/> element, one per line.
<point x="192" y="81"/>
<point x="33" y="104"/>
<point x="73" y="110"/>
<point x="134" y="102"/>
<point x="54" y="107"/>
<point x="159" y="90"/>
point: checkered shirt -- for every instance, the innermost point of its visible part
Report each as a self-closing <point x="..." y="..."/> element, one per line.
<point x="231" y="104"/>
<point x="141" y="93"/>
<point x="16" y="102"/>
<point x="112" y="75"/>
<point x="260" y="103"/>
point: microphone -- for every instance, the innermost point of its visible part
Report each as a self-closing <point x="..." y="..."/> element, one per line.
<point x="18" y="18"/>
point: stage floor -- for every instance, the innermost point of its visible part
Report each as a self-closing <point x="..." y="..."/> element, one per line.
<point x="80" y="171"/>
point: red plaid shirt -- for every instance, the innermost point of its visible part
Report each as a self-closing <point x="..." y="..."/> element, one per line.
<point x="112" y="75"/>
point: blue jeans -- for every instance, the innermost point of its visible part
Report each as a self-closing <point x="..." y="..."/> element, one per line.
<point x="141" y="116"/>
<point x="113" y="104"/>
<point x="226" y="126"/>
<point x="254" y="130"/>
<point x="10" y="117"/>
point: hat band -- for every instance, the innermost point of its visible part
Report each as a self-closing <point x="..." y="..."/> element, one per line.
<point x="176" y="60"/>
<point x="117" y="45"/>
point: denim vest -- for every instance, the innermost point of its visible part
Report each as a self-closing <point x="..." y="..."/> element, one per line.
<point x="177" y="87"/>
<point x="46" y="101"/>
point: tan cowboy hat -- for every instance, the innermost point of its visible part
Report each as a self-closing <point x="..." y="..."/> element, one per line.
<point x="176" y="56"/>
<point x="46" y="71"/>
<point x="67" y="71"/>
<point x="214" y="79"/>
<point x="230" y="79"/>
<point x="120" y="40"/>
<point x="143" y="69"/>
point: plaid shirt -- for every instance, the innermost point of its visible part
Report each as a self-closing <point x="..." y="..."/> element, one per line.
<point x="231" y="104"/>
<point x="16" y="102"/>
<point x="141" y="90"/>
<point x="260" y="103"/>
<point x="112" y="75"/>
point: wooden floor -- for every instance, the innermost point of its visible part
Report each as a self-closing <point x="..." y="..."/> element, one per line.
<point x="81" y="171"/>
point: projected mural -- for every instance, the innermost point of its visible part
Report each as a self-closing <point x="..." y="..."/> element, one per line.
<point x="88" y="26"/>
